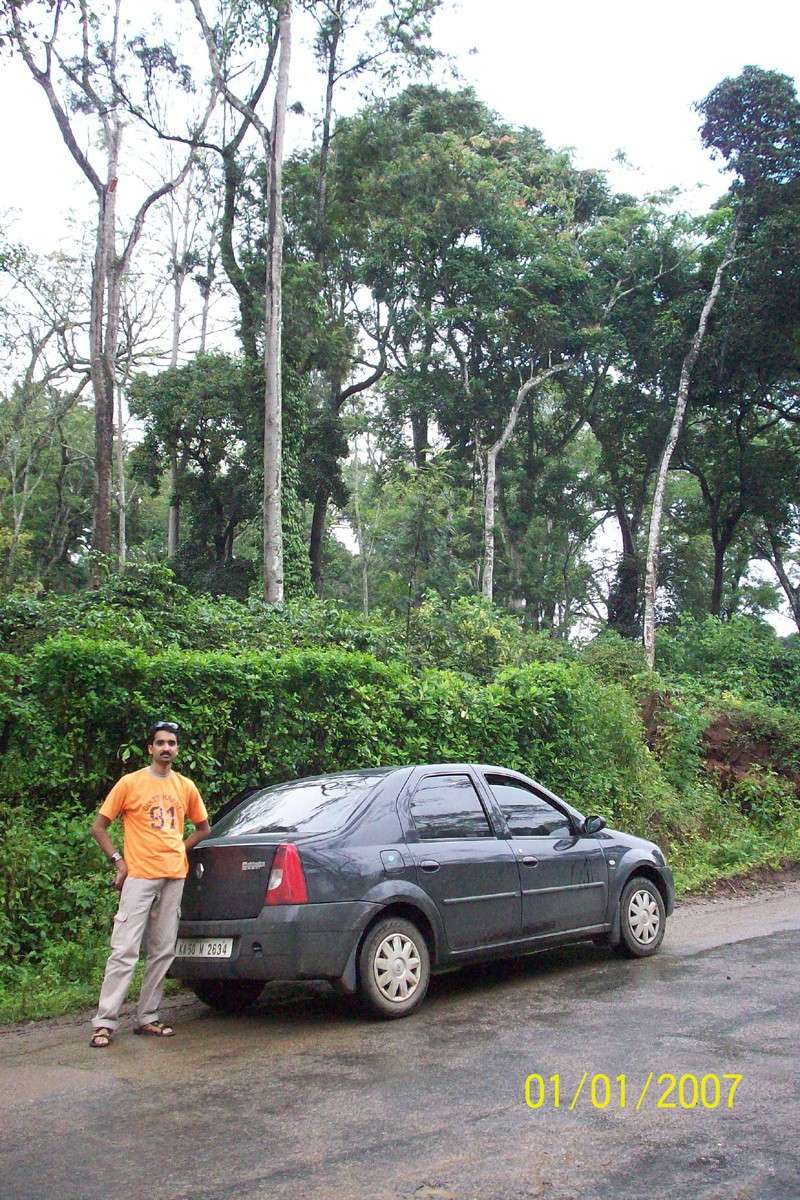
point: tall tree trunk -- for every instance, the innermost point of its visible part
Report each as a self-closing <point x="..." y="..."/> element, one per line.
<point x="360" y="536"/>
<point x="419" y="434"/>
<point x="488" y="521"/>
<point x="206" y="294"/>
<point x="273" y="427"/>
<point x="99" y="351"/>
<point x="720" y="548"/>
<point x="325" y="143"/>
<point x="177" y="307"/>
<point x="318" y="517"/>
<point x="654" y="538"/>
<point x="173" y="513"/>
<point x="775" y="558"/>
<point x="419" y="416"/>
<point x="623" y="604"/>
<point x="490" y="475"/>
<point x="122" y="533"/>
<point x="722" y="534"/>
<point x="204" y="321"/>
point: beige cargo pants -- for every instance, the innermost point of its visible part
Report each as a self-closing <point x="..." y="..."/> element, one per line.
<point x="149" y="909"/>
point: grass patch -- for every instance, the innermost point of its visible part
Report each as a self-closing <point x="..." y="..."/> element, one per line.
<point x="65" y="979"/>
<point x="699" y="863"/>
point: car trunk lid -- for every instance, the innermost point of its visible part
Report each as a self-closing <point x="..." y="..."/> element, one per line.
<point x="227" y="881"/>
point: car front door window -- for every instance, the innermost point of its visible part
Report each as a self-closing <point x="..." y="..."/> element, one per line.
<point x="527" y="813"/>
<point x="563" y="875"/>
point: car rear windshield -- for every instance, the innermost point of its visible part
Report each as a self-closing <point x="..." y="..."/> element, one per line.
<point x="303" y="806"/>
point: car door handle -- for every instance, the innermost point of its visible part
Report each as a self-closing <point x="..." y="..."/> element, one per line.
<point x="429" y="864"/>
<point x="528" y="860"/>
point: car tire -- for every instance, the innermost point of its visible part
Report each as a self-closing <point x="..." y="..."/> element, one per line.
<point x="227" y="995"/>
<point x="642" y="919"/>
<point x="394" y="968"/>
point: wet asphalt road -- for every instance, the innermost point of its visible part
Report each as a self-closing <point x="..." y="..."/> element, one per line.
<point x="302" y="1098"/>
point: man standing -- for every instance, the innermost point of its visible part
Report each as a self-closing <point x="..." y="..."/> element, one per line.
<point x="153" y="804"/>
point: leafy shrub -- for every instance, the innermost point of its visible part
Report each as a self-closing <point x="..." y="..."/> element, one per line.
<point x="742" y="656"/>
<point x="80" y="709"/>
<point x="54" y="882"/>
<point x="146" y="607"/>
<point x="471" y="635"/>
<point x="766" y="798"/>
<point x="614" y="657"/>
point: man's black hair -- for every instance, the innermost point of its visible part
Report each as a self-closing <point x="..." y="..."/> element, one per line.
<point x="170" y="726"/>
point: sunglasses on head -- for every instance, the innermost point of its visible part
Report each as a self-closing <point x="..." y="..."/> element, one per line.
<point x="170" y="726"/>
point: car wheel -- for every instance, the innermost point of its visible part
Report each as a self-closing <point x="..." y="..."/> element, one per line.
<point x="394" y="968"/>
<point x="227" y="995"/>
<point x="643" y="918"/>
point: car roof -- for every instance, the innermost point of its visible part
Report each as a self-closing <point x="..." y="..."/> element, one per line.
<point x="431" y="766"/>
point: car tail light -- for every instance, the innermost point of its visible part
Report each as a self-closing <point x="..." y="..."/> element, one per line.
<point x="287" y="882"/>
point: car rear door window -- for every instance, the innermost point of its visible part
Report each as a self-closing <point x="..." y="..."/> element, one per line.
<point x="527" y="813"/>
<point x="302" y="806"/>
<point x="448" y="806"/>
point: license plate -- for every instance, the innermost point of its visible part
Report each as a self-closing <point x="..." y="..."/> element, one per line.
<point x="204" y="947"/>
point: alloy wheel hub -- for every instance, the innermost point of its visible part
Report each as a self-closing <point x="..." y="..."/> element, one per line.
<point x="396" y="967"/>
<point x="644" y="918"/>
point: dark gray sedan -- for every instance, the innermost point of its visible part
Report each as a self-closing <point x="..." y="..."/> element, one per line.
<point x="372" y="879"/>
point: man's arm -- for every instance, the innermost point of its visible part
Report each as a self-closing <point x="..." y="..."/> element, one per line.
<point x="202" y="830"/>
<point x="99" y="832"/>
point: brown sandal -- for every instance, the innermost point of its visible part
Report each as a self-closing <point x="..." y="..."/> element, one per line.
<point x="101" y="1038"/>
<point x="155" y="1029"/>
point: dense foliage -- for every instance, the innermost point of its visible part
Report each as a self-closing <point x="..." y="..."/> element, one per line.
<point x="702" y="755"/>
<point x="439" y="259"/>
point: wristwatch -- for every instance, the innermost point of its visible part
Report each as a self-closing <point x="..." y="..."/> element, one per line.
<point x="116" y="857"/>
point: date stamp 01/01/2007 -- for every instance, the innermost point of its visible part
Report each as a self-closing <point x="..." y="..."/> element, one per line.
<point x="664" y="1091"/>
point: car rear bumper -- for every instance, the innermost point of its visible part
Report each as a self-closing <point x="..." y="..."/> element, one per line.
<point x="292" y="941"/>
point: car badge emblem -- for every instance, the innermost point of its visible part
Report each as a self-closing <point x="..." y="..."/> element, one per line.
<point x="253" y="866"/>
<point x="199" y="869"/>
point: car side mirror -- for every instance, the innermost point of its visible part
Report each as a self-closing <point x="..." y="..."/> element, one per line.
<point x="593" y="825"/>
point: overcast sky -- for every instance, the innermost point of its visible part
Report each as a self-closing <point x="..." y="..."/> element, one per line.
<point x="599" y="77"/>
<point x="620" y="74"/>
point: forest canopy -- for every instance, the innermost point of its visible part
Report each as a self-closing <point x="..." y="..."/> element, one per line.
<point x="424" y="352"/>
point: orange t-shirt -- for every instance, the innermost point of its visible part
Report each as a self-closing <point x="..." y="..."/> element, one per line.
<point x="153" y="809"/>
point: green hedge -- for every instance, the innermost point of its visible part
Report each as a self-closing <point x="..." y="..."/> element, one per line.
<point x="73" y="714"/>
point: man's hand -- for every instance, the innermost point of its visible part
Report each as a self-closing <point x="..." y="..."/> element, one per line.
<point x="202" y="830"/>
<point x="122" y="874"/>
